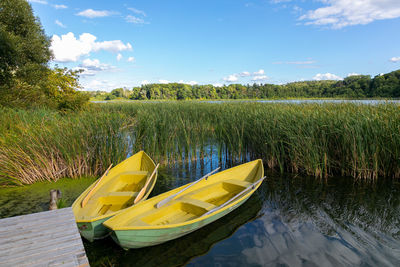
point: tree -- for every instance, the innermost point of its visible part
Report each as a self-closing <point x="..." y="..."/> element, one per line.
<point x="25" y="78"/>
<point x="24" y="46"/>
<point x="61" y="87"/>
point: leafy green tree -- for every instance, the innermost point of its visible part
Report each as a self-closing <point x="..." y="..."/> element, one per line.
<point x="24" y="46"/>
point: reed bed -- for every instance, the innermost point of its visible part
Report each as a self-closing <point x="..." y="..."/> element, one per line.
<point x="362" y="141"/>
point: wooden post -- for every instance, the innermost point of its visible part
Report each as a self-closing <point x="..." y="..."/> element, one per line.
<point x="54" y="196"/>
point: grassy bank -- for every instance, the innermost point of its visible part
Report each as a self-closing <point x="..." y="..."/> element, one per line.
<point x="362" y="141"/>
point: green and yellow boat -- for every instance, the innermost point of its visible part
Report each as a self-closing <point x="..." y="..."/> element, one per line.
<point x="185" y="209"/>
<point x="128" y="183"/>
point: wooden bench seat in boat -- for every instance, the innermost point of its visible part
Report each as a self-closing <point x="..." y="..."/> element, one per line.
<point x="202" y="204"/>
<point x="238" y="182"/>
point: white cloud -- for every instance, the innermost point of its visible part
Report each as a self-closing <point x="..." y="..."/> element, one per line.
<point x="190" y="83"/>
<point x="260" y="72"/>
<point x="112" y="46"/>
<point x="352" y="74"/>
<point x="279" y="1"/>
<point x="135" y="20"/>
<point x="67" y="48"/>
<point x="119" y="57"/>
<point x="137" y="11"/>
<point x="395" y="59"/>
<point x="100" y="85"/>
<point x="144" y="82"/>
<point x="91" y="67"/>
<point x="244" y="74"/>
<point x="231" y="78"/>
<point x="163" y="81"/>
<point x="43" y="2"/>
<point x="326" y="76"/>
<point x="131" y="59"/>
<point x="260" y="78"/>
<point x="217" y="84"/>
<point x="60" y="6"/>
<point x="341" y="13"/>
<point x="59" y="23"/>
<point x="90" y="13"/>
<point x="95" y="65"/>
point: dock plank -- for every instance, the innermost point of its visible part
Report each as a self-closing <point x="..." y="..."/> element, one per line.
<point x="49" y="238"/>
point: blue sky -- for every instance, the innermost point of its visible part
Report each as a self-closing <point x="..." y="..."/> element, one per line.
<point x="128" y="43"/>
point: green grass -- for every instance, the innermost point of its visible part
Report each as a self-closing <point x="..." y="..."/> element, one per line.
<point x="362" y="141"/>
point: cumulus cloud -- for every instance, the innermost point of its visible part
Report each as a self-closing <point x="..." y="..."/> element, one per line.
<point x="256" y="76"/>
<point x="326" y="76"/>
<point x="43" y="2"/>
<point x="260" y="72"/>
<point x="101" y="85"/>
<point x="260" y="78"/>
<point x="119" y="57"/>
<point x="395" y="59"/>
<point x="190" y="83"/>
<point x="352" y="74"/>
<point x="59" y="23"/>
<point x="217" y="84"/>
<point x="67" y="48"/>
<point x="144" y="82"/>
<point x="91" y="67"/>
<point x="341" y="13"/>
<point x="95" y="64"/>
<point x="131" y="59"/>
<point x="231" y="78"/>
<point x="60" y="6"/>
<point x="163" y="81"/>
<point x="90" y="13"/>
<point x="137" y="11"/>
<point x="135" y="20"/>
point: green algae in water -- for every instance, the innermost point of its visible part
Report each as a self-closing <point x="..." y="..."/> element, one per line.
<point x="28" y="199"/>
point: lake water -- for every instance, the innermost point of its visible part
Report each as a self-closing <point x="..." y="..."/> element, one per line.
<point x="289" y="221"/>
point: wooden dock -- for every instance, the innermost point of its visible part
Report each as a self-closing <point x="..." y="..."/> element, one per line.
<point x="49" y="238"/>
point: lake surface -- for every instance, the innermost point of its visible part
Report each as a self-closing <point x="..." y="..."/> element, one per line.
<point x="289" y="221"/>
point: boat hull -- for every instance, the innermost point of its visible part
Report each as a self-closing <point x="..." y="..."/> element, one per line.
<point x="128" y="239"/>
<point x="93" y="230"/>
<point x="118" y="191"/>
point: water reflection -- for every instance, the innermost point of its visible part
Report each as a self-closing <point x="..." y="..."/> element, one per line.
<point x="289" y="221"/>
<point x="307" y="222"/>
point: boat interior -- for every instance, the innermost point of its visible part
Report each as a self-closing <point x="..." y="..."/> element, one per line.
<point x="116" y="194"/>
<point x="197" y="201"/>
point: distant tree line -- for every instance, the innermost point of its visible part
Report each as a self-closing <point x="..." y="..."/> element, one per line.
<point x="26" y="80"/>
<point x="359" y="86"/>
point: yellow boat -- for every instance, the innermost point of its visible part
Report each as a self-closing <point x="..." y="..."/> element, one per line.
<point x="187" y="208"/>
<point x="128" y="183"/>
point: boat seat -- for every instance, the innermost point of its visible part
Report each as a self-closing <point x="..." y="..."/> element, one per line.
<point x="238" y="182"/>
<point x="202" y="204"/>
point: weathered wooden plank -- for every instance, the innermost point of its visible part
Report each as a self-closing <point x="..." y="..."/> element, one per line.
<point x="48" y="238"/>
<point x="36" y="221"/>
<point x="34" y="216"/>
<point x="17" y="234"/>
<point x="35" y="245"/>
<point x="44" y="254"/>
<point x="34" y="239"/>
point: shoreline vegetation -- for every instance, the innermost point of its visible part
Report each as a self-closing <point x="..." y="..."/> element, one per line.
<point x="352" y="87"/>
<point x="361" y="141"/>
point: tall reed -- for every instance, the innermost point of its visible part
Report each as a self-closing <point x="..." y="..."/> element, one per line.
<point x="362" y="141"/>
